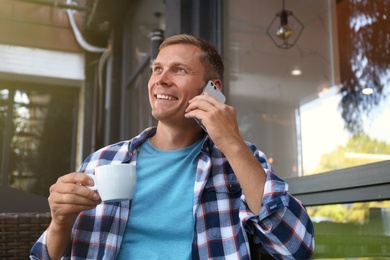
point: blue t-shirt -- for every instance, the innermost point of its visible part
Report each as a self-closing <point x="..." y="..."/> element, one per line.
<point x="161" y="221"/>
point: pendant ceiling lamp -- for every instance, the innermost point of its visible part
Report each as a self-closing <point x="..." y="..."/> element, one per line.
<point x="285" y="29"/>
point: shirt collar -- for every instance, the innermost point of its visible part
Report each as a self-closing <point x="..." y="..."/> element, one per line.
<point x="137" y="141"/>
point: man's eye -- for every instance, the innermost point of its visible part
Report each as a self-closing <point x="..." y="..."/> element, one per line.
<point x="181" y="70"/>
<point x="156" y="69"/>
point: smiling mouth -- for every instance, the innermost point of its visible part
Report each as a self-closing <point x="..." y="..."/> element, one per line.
<point x="166" y="97"/>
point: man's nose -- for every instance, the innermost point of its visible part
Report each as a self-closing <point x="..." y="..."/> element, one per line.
<point x="164" y="78"/>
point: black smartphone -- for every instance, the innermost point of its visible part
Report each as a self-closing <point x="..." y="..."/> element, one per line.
<point x="213" y="91"/>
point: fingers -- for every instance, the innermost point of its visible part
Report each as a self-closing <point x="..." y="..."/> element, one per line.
<point x="77" y="177"/>
<point x="207" y="108"/>
<point x="210" y="100"/>
<point x="69" y="196"/>
<point x="219" y="119"/>
<point x="201" y="104"/>
<point x="71" y="189"/>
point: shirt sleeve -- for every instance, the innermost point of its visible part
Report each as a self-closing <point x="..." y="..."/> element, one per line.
<point x="282" y="227"/>
<point x="39" y="249"/>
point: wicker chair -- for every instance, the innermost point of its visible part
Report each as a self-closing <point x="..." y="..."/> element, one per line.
<point x="19" y="231"/>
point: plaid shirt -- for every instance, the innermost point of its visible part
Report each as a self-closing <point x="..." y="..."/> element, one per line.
<point x="222" y="217"/>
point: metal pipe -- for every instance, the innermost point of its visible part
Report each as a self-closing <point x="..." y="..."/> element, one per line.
<point x="79" y="37"/>
<point x="93" y="11"/>
<point x="137" y="71"/>
<point x="156" y="38"/>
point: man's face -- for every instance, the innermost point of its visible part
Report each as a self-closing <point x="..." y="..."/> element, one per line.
<point x="177" y="77"/>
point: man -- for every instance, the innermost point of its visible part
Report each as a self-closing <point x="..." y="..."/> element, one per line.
<point x="198" y="195"/>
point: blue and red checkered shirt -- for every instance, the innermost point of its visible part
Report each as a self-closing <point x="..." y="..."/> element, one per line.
<point x="222" y="217"/>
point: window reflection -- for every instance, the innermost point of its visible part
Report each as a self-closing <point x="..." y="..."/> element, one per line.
<point x="327" y="145"/>
<point x="334" y="114"/>
<point x="29" y="113"/>
<point x="38" y="136"/>
<point x="364" y="41"/>
<point x="347" y="125"/>
<point x="356" y="230"/>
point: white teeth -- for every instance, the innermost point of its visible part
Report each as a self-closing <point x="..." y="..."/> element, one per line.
<point x="165" y="97"/>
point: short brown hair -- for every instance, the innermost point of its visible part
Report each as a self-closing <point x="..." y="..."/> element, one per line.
<point x="211" y="59"/>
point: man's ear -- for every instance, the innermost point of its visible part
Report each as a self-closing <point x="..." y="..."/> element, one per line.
<point x="218" y="83"/>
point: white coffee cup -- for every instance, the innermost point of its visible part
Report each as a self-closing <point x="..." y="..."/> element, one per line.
<point x="115" y="182"/>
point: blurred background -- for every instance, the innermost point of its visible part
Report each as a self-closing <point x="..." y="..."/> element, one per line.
<point x="309" y="80"/>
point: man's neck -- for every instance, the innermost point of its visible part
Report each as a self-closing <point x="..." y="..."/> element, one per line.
<point x="173" y="138"/>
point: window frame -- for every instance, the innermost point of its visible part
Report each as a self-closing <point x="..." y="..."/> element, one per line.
<point x="368" y="182"/>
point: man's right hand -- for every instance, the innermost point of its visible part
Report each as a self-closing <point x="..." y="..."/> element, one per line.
<point x="68" y="197"/>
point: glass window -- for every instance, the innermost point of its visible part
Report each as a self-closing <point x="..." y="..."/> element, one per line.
<point x="346" y="125"/>
<point x="38" y="127"/>
<point x="327" y="145"/>
<point x="322" y="104"/>
<point x="260" y="79"/>
<point x="355" y="230"/>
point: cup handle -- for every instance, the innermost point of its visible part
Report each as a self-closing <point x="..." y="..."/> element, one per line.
<point x="94" y="187"/>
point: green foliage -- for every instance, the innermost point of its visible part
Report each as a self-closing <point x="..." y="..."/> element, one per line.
<point x="359" y="150"/>
<point x="337" y="212"/>
<point x="357" y="213"/>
